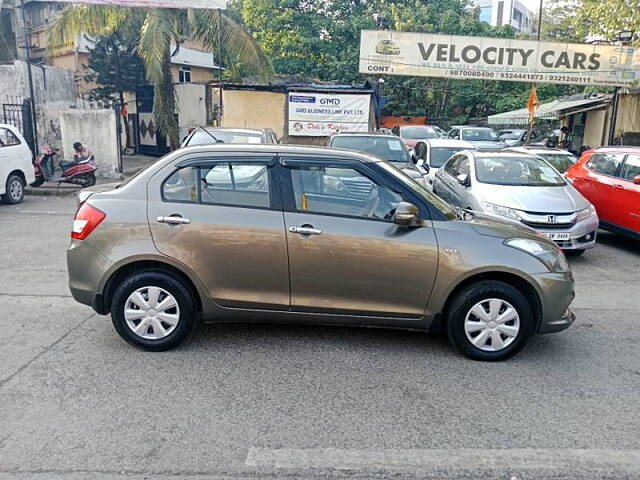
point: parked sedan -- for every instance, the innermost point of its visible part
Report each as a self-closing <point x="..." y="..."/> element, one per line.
<point x="387" y="147"/>
<point x="294" y="244"/>
<point x="410" y="134"/>
<point x="523" y="188"/>
<point x="16" y="166"/>
<point x="610" y="178"/>
<point x="560" y="159"/>
<point x="434" y="153"/>
<point x="515" y="137"/>
<point x="482" y="137"/>
<point x="213" y="135"/>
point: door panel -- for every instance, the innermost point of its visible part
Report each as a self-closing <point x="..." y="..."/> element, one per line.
<point x="238" y="253"/>
<point x="626" y="195"/>
<point x="597" y="180"/>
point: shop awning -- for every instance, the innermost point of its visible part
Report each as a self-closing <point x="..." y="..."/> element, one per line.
<point x="550" y="111"/>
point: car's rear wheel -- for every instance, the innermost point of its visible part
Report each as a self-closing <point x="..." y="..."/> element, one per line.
<point x="14" y="192"/>
<point x="153" y="310"/>
<point x="489" y="321"/>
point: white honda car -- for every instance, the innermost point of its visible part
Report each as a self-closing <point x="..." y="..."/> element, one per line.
<point x="16" y="167"/>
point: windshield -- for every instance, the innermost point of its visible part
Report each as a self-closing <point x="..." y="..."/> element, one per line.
<point x="560" y="161"/>
<point x="417" y="133"/>
<point x="479" y="135"/>
<point x="446" y="209"/>
<point x="439" y="155"/>
<point x="524" y="171"/>
<point x="391" y="149"/>
<point x="515" y="135"/>
<point x="202" y="137"/>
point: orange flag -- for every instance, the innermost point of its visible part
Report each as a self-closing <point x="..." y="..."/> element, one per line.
<point x="533" y="103"/>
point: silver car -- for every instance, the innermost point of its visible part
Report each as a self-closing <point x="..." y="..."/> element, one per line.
<point x="433" y="154"/>
<point x="560" y="159"/>
<point x="521" y="187"/>
<point x="483" y="138"/>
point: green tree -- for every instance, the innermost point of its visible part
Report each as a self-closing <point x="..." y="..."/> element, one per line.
<point x="159" y="28"/>
<point x="606" y="17"/>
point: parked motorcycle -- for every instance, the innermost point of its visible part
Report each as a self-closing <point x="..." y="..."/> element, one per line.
<point x="77" y="172"/>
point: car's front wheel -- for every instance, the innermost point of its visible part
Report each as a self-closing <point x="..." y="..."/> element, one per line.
<point x="489" y="321"/>
<point x="14" y="192"/>
<point x="153" y="310"/>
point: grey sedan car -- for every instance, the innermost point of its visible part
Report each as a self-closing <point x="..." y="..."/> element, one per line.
<point x="483" y="138"/>
<point x="297" y="242"/>
<point x="521" y="187"/>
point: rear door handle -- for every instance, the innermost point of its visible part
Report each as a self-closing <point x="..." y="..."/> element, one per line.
<point x="618" y="186"/>
<point x="173" y="220"/>
<point x="305" y="230"/>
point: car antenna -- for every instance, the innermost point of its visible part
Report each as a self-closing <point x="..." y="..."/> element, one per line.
<point x="210" y="134"/>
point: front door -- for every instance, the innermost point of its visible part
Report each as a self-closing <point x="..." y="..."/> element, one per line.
<point x="626" y="195"/>
<point x="345" y="253"/>
<point x="222" y="219"/>
<point x="597" y="184"/>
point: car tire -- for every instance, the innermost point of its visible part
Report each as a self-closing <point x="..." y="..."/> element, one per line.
<point x="14" y="190"/>
<point x="140" y="294"/>
<point x="466" y="323"/>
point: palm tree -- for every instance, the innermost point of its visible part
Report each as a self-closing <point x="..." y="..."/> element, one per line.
<point x="160" y="28"/>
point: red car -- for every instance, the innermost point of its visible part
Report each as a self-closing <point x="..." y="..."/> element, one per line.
<point x="609" y="177"/>
<point x="411" y="134"/>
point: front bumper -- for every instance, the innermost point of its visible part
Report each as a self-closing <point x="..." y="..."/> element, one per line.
<point x="557" y="293"/>
<point x="582" y="235"/>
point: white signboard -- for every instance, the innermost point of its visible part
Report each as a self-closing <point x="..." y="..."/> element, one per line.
<point x="321" y="114"/>
<point x="222" y="4"/>
<point x="483" y="58"/>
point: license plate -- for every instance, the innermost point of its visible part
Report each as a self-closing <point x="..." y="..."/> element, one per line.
<point x="557" y="235"/>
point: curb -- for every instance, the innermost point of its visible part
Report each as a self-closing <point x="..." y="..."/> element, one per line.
<point x="51" y="191"/>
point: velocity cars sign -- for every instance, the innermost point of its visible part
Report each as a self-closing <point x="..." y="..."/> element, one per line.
<point x="321" y="114"/>
<point x="454" y="56"/>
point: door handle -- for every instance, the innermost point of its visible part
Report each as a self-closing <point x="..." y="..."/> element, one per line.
<point x="618" y="186"/>
<point x="173" y="220"/>
<point x="305" y="230"/>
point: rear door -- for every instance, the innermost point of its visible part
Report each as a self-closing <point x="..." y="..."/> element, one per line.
<point x="626" y="195"/>
<point x="596" y="184"/>
<point x="346" y="255"/>
<point x="221" y="217"/>
<point x="446" y="180"/>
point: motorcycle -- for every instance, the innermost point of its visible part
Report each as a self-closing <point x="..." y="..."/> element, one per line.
<point x="78" y="172"/>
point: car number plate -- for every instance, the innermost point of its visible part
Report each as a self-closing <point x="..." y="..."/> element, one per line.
<point x="557" y="235"/>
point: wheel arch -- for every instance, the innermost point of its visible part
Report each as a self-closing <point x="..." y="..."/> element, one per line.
<point x="103" y="300"/>
<point x="523" y="285"/>
<point x="18" y="172"/>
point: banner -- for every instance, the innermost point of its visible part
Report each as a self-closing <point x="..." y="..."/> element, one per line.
<point x="483" y="58"/>
<point x="202" y="4"/>
<point x="321" y="114"/>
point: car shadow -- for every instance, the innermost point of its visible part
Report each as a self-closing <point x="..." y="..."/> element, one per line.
<point x="621" y="242"/>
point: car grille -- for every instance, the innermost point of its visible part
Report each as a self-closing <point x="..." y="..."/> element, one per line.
<point x="357" y="187"/>
<point x="549" y="226"/>
<point x="542" y="220"/>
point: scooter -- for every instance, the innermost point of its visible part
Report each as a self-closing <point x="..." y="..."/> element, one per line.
<point x="78" y="172"/>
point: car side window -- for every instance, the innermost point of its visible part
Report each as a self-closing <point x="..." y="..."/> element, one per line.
<point x="7" y="138"/>
<point x="421" y="151"/>
<point x="631" y="168"/>
<point x="605" y="163"/>
<point x="452" y="166"/>
<point x="464" y="168"/>
<point x="234" y="184"/>
<point x="342" y="191"/>
<point x="453" y="133"/>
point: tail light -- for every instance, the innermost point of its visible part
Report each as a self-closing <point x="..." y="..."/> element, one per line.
<point x="87" y="219"/>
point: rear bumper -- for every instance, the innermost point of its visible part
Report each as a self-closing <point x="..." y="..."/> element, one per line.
<point x="86" y="267"/>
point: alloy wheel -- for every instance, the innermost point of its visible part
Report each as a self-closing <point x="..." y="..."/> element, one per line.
<point x="16" y="189"/>
<point x="492" y="324"/>
<point x="151" y="313"/>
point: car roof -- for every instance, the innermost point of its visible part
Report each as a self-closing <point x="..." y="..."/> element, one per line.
<point x="363" y="134"/>
<point x="534" y="149"/>
<point x="234" y="130"/>
<point x="449" y="142"/>
<point x="618" y="148"/>
<point x="279" y="149"/>
<point x="499" y="153"/>
<point x="410" y="126"/>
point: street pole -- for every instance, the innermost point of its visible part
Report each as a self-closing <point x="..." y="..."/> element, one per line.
<point x="533" y="85"/>
<point x="219" y="122"/>
<point x="27" y="43"/>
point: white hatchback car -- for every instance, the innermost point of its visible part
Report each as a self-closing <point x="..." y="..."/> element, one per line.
<point x="16" y="167"/>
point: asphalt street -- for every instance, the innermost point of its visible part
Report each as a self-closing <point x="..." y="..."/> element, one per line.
<point x="246" y="401"/>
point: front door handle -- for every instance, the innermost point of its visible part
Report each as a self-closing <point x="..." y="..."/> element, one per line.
<point x="305" y="230"/>
<point x="173" y="220"/>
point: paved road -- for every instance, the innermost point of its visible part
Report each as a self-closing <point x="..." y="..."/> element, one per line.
<point x="281" y="401"/>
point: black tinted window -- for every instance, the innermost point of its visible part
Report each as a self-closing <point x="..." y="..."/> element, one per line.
<point x="418" y="132"/>
<point x="605" y="163"/>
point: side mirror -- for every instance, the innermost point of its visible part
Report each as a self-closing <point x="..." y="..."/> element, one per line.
<point x="636" y="179"/>
<point x="406" y="214"/>
<point x="463" y="179"/>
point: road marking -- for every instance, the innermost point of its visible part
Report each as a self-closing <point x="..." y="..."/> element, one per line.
<point x="559" y="460"/>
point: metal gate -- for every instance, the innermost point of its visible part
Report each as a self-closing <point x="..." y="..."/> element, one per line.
<point x="150" y="141"/>
<point x="19" y="115"/>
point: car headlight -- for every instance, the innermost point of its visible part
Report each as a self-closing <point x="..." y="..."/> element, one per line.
<point x="550" y="255"/>
<point x="586" y="213"/>
<point x="500" y="210"/>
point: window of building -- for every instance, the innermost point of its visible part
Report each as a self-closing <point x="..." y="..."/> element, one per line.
<point x="184" y="74"/>
<point x="500" y="13"/>
<point x="485" y="14"/>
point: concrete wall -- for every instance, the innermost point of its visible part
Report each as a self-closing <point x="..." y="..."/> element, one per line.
<point x="628" y="114"/>
<point x="594" y="128"/>
<point x="191" y="106"/>
<point x="255" y="109"/>
<point x="95" y="129"/>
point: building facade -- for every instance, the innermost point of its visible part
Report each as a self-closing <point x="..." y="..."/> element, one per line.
<point x="507" y="12"/>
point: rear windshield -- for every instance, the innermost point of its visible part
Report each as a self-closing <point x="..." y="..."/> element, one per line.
<point x="439" y="155"/>
<point x="418" y="133"/>
<point x="524" y="171"/>
<point x="511" y="135"/>
<point x="479" y="135"/>
<point x="202" y="137"/>
<point x="391" y="149"/>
